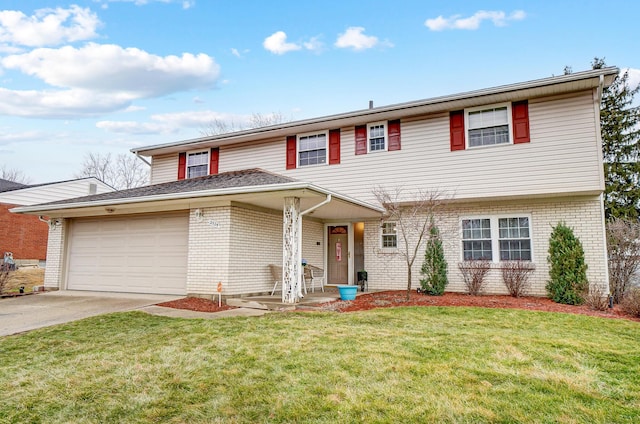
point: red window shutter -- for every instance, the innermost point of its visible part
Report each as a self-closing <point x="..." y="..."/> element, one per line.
<point x="520" y="114"/>
<point x="292" y="152"/>
<point x="182" y="165"/>
<point x="456" y="128"/>
<point x="214" y="159"/>
<point x="361" y="140"/>
<point x="394" y="135"/>
<point x="334" y="147"/>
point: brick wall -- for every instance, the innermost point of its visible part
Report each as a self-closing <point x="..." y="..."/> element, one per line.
<point x="388" y="270"/>
<point x="24" y="235"/>
<point x="55" y="256"/>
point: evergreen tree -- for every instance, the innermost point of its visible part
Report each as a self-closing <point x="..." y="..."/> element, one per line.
<point x="567" y="271"/>
<point x="621" y="146"/>
<point x="434" y="267"/>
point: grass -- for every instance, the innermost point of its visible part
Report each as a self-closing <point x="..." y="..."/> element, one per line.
<point x="389" y="365"/>
<point x="24" y="277"/>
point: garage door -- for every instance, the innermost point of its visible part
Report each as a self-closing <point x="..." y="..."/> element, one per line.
<point x="131" y="254"/>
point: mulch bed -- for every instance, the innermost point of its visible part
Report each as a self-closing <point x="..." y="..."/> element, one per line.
<point x="197" y="304"/>
<point x="397" y="298"/>
<point x="388" y="299"/>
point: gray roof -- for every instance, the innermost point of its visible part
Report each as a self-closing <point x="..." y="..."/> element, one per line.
<point x="6" y="185"/>
<point x="244" y="178"/>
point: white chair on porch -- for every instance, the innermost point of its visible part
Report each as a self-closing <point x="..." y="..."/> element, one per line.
<point x="276" y="276"/>
<point x="317" y="276"/>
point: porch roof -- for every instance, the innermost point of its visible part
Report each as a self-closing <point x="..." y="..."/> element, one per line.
<point x="252" y="187"/>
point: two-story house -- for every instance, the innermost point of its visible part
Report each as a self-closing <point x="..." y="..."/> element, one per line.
<point x="511" y="162"/>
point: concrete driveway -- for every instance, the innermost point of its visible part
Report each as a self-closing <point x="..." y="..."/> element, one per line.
<point x="42" y="310"/>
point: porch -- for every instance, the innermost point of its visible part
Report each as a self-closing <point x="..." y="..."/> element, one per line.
<point x="310" y="301"/>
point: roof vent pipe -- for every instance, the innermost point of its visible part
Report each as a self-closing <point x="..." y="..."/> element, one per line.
<point x="370" y="104"/>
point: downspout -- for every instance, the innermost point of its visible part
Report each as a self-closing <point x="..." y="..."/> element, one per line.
<point x="302" y="214"/>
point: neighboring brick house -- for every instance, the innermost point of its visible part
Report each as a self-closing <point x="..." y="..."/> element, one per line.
<point x="511" y="161"/>
<point x="26" y="235"/>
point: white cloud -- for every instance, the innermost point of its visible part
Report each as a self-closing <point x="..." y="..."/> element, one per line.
<point x="47" y="27"/>
<point x="314" y="44"/>
<point x="499" y="18"/>
<point x="355" y="39"/>
<point x="109" y="68"/>
<point x="167" y="123"/>
<point x="276" y="43"/>
<point x="634" y="77"/>
<point x="96" y="79"/>
<point x="235" y="52"/>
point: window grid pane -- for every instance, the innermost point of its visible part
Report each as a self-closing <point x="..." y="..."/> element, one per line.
<point x="312" y="149"/>
<point x="389" y="235"/>
<point x="376" y="138"/>
<point x="476" y="236"/>
<point x="197" y="164"/>
<point x="488" y="127"/>
<point x="515" y="241"/>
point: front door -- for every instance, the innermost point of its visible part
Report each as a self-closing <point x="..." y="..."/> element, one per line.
<point x="338" y="254"/>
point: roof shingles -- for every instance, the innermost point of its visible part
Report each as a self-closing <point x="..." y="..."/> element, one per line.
<point x="244" y="178"/>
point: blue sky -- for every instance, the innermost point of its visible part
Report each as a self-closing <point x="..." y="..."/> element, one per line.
<point x="107" y="75"/>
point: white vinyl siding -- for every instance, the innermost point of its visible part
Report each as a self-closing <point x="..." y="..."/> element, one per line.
<point x="53" y="192"/>
<point x="164" y="168"/>
<point x="130" y="254"/>
<point x="562" y="157"/>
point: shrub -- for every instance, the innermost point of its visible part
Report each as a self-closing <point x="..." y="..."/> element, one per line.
<point x="515" y="275"/>
<point x="567" y="269"/>
<point x="474" y="273"/>
<point x="631" y="302"/>
<point x="597" y="299"/>
<point x="623" y="248"/>
<point x="4" y="278"/>
<point x="434" y="267"/>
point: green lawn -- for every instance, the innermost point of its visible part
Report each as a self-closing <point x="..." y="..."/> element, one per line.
<point x="388" y="365"/>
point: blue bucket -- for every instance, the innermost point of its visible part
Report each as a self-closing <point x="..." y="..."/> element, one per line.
<point x="348" y="292"/>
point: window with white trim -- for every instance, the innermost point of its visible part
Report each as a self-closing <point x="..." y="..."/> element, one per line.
<point x="312" y="149"/>
<point x="488" y="125"/>
<point x="197" y="164"/>
<point x="497" y="238"/>
<point x="389" y="235"/>
<point x="377" y="136"/>
<point x="514" y="238"/>
<point x="476" y="239"/>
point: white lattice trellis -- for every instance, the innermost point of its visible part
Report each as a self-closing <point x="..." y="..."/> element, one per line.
<point x="291" y="262"/>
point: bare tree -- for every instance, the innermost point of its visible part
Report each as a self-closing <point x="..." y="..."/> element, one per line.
<point x="12" y="174"/>
<point x="257" y="120"/>
<point x="623" y="245"/>
<point x="121" y="172"/>
<point x="414" y="215"/>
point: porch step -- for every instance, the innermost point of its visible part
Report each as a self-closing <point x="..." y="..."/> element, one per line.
<point x="260" y="304"/>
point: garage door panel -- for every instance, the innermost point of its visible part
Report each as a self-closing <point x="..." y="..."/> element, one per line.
<point x="135" y="254"/>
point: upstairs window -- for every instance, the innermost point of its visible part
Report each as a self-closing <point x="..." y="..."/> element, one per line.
<point x="312" y="149"/>
<point x="197" y="164"/>
<point x="488" y="126"/>
<point x="389" y="235"/>
<point x="506" y="123"/>
<point x="377" y="136"/>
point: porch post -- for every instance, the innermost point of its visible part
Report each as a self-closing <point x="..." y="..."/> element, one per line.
<point x="291" y="250"/>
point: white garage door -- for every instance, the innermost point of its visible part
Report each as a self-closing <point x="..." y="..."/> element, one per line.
<point x="132" y="254"/>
